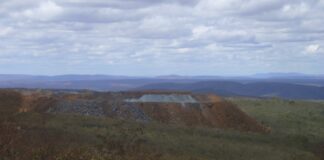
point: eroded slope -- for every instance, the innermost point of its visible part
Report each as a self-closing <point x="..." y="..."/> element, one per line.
<point x="179" y="108"/>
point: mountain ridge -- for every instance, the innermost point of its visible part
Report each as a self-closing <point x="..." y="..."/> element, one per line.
<point x="291" y="88"/>
<point x="256" y="89"/>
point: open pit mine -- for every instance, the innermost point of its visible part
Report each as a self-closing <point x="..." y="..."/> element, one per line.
<point x="174" y="108"/>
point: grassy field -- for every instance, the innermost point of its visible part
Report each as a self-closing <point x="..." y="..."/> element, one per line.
<point x="297" y="133"/>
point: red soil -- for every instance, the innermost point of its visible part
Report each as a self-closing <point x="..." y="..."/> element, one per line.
<point x="217" y="115"/>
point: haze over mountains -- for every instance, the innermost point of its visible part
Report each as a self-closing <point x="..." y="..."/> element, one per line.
<point x="284" y="85"/>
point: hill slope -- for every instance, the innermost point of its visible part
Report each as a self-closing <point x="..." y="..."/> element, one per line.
<point x="178" y="108"/>
<point x="297" y="133"/>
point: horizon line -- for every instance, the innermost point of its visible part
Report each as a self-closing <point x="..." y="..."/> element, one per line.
<point x="171" y="75"/>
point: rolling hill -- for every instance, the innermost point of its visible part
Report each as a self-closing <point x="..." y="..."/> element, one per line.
<point x="291" y="86"/>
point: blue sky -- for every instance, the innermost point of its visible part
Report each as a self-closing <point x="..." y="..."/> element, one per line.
<point x="158" y="37"/>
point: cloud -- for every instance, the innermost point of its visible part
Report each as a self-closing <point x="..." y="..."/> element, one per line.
<point x="237" y="7"/>
<point x="312" y="48"/>
<point x="162" y="33"/>
<point x="126" y="4"/>
<point x="222" y="35"/>
<point x="295" y="10"/>
<point x="4" y="31"/>
<point x="47" y="10"/>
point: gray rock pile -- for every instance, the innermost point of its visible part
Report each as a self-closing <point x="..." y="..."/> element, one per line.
<point x="82" y="107"/>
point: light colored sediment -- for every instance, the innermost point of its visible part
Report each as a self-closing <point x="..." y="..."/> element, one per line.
<point x="164" y="98"/>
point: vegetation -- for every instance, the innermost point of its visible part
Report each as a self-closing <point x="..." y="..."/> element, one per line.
<point x="297" y="133"/>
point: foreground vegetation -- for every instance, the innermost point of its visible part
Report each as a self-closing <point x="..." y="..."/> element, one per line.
<point x="297" y="133"/>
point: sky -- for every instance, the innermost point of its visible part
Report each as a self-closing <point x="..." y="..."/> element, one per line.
<point x="161" y="37"/>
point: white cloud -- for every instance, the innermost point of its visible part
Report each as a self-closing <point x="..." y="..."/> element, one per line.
<point x="221" y="35"/>
<point x="295" y="10"/>
<point x="219" y="8"/>
<point x="313" y="48"/>
<point x="183" y="50"/>
<point x="160" y="27"/>
<point x="47" y="10"/>
<point x="200" y="31"/>
<point x="4" y="31"/>
<point x="209" y="32"/>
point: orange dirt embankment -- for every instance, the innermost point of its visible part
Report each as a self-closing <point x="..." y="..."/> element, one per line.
<point x="37" y="102"/>
<point x="15" y="101"/>
<point x="216" y="115"/>
<point x="226" y="115"/>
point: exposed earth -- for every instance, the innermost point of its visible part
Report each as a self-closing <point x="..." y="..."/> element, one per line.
<point x="178" y="108"/>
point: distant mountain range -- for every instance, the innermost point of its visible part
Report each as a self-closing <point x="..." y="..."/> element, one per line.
<point x="287" y="75"/>
<point x="284" y="85"/>
<point x="255" y="89"/>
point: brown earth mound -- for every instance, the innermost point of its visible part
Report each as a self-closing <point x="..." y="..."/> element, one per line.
<point x="37" y="103"/>
<point x="183" y="109"/>
<point x="217" y="115"/>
